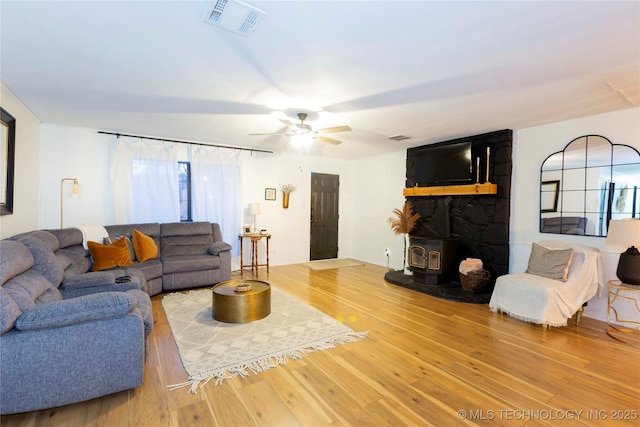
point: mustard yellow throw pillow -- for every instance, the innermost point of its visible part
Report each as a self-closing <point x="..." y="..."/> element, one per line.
<point x="108" y="256"/>
<point x="144" y="246"/>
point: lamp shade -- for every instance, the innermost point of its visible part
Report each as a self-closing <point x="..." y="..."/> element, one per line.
<point x="624" y="232"/>
<point x="254" y="208"/>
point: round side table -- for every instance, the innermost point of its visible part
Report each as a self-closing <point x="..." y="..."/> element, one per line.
<point x="231" y="306"/>
<point x="623" y="296"/>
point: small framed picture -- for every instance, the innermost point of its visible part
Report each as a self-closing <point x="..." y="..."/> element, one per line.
<point x="269" y="193"/>
<point x="246" y="229"/>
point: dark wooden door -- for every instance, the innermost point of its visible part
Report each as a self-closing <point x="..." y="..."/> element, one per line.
<point x="325" y="190"/>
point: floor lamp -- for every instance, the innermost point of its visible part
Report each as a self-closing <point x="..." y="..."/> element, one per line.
<point x="74" y="193"/>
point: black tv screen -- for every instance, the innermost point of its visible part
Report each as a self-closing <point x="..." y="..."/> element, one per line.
<point x="444" y="164"/>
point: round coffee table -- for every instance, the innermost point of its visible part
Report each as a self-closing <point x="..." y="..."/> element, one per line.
<point x="231" y="306"/>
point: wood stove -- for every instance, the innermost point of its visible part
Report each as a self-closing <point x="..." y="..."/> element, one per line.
<point x="433" y="260"/>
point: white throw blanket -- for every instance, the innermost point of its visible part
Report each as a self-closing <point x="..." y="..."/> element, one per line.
<point x="92" y="232"/>
<point x="547" y="301"/>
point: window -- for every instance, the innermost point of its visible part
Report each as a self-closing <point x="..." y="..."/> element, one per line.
<point x="184" y="184"/>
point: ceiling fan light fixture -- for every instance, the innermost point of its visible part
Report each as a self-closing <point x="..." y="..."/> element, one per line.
<point x="303" y="128"/>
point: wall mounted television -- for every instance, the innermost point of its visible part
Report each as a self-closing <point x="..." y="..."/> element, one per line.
<point x="444" y="164"/>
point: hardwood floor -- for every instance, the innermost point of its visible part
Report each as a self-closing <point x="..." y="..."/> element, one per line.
<point x="426" y="362"/>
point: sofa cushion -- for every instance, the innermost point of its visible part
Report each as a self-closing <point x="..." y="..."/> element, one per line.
<point x="86" y="308"/>
<point x="179" y="264"/>
<point x="67" y="236"/>
<point x="15" y="258"/>
<point x="151" y="269"/>
<point x="109" y="256"/>
<point x="9" y="311"/>
<point x="45" y="261"/>
<point x="76" y="260"/>
<point x="144" y="246"/>
<point x="185" y="238"/>
<point x="47" y="237"/>
<point x="30" y="289"/>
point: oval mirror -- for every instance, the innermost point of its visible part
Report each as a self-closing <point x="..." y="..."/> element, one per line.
<point x="587" y="184"/>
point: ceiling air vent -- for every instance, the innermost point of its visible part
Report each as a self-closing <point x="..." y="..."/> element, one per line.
<point x="399" y="137"/>
<point x="233" y="15"/>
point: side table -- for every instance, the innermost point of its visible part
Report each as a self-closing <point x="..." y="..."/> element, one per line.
<point x="255" y="239"/>
<point x="625" y="330"/>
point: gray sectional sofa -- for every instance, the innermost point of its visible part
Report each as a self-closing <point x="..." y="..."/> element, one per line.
<point x="69" y="334"/>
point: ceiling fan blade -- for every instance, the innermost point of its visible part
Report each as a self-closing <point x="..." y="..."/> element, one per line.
<point x="328" y="140"/>
<point x="287" y="123"/>
<point x="268" y="134"/>
<point x="344" y="128"/>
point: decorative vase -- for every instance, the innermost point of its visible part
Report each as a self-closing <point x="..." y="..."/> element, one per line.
<point x="407" y="245"/>
<point x="285" y="200"/>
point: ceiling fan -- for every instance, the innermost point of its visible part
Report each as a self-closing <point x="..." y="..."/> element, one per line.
<point x="303" y="128"/>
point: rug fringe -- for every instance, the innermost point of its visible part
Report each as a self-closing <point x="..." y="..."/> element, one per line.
<point x="198" y="381"/>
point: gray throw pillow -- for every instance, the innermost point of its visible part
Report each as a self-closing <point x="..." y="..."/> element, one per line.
<point x="112" y="239"/>
<point x="551" y="263"/>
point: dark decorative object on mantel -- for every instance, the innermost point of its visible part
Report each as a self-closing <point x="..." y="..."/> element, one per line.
<point x="478" y="222"/>
<point x="626" y="233"/>
<point x="8" y="138"/>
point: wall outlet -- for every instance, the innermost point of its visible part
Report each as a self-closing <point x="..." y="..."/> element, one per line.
<point x="387" y="252"/>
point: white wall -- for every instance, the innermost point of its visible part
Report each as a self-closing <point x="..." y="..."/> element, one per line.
<point x="375" y="190"/>
<point x="531" y="147"/>
<point x="289" y="227"/>
<point x="27" y="167"/>
<point x="72" y="152"/>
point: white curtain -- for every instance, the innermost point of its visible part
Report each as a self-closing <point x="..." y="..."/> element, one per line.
<point x="144" y="177"/>
<point x="216" y="189"/>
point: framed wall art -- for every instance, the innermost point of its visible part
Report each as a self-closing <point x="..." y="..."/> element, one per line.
<point x="269" y="193"/>
<point x="7" y="160"/>
<point x="549" y="196"/>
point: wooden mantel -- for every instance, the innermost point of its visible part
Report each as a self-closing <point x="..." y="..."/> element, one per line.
<point x="453" y="190"/>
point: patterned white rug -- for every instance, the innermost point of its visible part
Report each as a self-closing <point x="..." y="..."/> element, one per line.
<point x="215" y="350"/>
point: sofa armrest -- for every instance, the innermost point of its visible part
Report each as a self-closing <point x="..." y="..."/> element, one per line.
<point x="89" y="280"/>
<point x="217" y="247"/>
<point x="95" y="282"/>
<point x="76" y="310"/>
<point x="47" y="368"/>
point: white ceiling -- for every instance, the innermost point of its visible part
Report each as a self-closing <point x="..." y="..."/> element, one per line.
<point x="430" y="70"/>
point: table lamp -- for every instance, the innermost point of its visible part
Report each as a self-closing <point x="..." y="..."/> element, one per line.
<point x="254" y="209"/>
<point x="626" y="232"/>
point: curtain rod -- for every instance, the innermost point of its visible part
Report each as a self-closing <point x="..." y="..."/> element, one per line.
<point x="186" y="142"/>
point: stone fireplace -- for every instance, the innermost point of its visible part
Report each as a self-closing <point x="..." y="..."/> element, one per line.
<point x="454" y="227"/>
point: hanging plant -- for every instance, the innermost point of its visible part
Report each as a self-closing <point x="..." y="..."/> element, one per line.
<point x="404" y="221"/>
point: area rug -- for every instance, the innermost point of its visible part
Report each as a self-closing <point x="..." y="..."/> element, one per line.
<point x="326" y="264"/>
<point x="215" y="350"/>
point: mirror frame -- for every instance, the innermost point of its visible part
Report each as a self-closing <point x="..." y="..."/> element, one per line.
<point x="8" y="126"/>
<point x="556" y="191"/>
